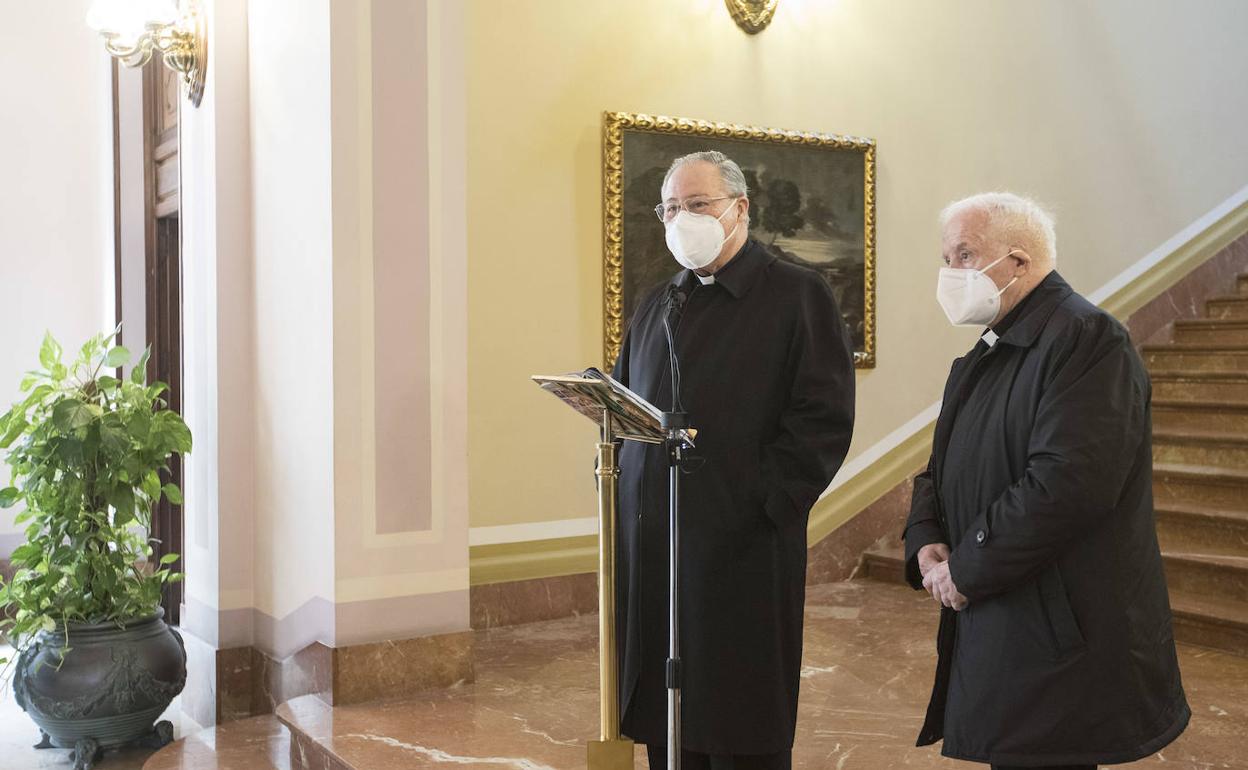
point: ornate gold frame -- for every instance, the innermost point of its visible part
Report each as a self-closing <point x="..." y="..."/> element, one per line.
<point x="752" y="16"/>
<point x="614" y="126"/>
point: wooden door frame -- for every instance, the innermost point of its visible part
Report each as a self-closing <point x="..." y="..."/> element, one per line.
<point x="161" y="280"/>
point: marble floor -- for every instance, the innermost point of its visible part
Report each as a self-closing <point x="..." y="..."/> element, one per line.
<point x="258" y="743"/>
<point x="868" y="667"/>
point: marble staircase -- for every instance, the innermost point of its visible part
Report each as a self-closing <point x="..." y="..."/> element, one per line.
<point x="1200" y="474"/>
<point x="257" y="743"/>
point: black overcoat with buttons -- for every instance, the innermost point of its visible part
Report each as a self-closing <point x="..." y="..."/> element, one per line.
<point x="767" y="378"/>
<point x="1040" y="481"/>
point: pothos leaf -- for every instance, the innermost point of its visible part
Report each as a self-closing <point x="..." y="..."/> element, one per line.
<point x="70" y="414"/>
<point x="138" y="375"/>
<point x="17" y="426"/>
<point x="118" y="356"/>
<point x="9" y="496"/>
<point x="122" y="500"/>
<point x="36" y="396"/>
<point x="49" y="351"/>
<point x="151" y="485"/>
<point x="114" y="438"/>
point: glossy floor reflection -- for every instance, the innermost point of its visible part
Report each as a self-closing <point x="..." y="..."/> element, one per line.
<point x="866" y="677"/>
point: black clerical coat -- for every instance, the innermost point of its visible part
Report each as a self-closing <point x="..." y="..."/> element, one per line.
<point x="767" y="378"/>
<point x="1040" y="480"/>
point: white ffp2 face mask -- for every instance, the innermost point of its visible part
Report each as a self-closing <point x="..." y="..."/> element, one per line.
<point x="695" y="239"/>
<point x="970" y="297"/>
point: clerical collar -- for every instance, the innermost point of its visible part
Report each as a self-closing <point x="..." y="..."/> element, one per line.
<point x="1022" y="325"/>
<point x="998" y="330"/>
<point x="744" y="269"/>
<point x="706" y="279"/>
<point x="735" y="277"/>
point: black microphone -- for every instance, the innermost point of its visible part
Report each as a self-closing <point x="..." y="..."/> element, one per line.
<point x="676" y="299"/>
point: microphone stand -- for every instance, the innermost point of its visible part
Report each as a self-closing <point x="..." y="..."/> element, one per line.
<point x="676" y="423"/>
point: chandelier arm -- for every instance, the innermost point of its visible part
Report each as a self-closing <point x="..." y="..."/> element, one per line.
<point x="165" y="38"/>
<point x="183" y="46"/>
<point x="132" y="56"/>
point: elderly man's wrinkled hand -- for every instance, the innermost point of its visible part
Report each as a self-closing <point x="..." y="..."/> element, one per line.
<point x="931" y="555"/>
<point x="939" y="583"/>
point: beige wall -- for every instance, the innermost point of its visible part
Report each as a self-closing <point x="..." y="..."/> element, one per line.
<point x="219" y="348"/>
<point x="292" y="256"/>
<point x="326" y="308"/>
<point x="56" y="192"/>
<point x="400" y="476"/>
<point x="1125" y="116"/>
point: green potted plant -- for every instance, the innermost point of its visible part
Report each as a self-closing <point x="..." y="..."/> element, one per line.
<point x="96" y="664"/>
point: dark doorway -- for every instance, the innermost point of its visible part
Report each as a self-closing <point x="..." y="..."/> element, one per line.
<point x="164" y="290"/>
<point x="148" y="119"/>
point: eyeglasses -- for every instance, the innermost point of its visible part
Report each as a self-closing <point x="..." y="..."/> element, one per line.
<point x="698" y="204"/>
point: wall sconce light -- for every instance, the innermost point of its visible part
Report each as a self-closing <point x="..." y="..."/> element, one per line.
<point x="133" y="30"/>
<point x="753" y="16"/>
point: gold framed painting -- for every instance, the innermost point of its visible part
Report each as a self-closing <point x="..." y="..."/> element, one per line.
<point x="812" y="202"/>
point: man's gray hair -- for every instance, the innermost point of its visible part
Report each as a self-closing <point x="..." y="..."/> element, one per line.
<point x="1014" y="217"/>
<point x="729" y="171"/>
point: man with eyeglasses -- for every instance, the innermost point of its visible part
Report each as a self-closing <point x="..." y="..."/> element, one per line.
<point x="766" y="375"/>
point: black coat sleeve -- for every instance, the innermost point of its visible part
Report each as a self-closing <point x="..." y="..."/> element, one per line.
<point x="923" y="527"/>
<point x="1090" y="420"/>
<point x="818" y="420"/>
<point x="620" y="370"/>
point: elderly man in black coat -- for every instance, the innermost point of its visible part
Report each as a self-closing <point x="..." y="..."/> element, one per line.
<point x="1033" y="524"/>
<point x="767" y="378"/>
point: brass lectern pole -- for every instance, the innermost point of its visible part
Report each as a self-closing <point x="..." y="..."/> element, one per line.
<point x="610" y="752"/>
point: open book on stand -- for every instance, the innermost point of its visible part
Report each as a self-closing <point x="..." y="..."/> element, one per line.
<point x="593" y="393"/>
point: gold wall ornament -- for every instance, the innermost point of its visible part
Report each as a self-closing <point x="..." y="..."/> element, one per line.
<point x="134" y="31"/>
<point x="617" y="126"/>
<point x="753" y="16"/>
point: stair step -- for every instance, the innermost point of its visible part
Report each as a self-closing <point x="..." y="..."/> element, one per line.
<point x="1192" y="528"/>
<point x="1200" y="386"/>
<point x="1207" y="621"/>
<point x="1209" y="575"/>
<point x="1230" y="332"/>
<point x="1218" y="448"/>
<point x="310" y="721"/>
<point x="1227" y="308"/>
<point x="1205" y="612"/>
<point x="1196" y="358"/>
<point x="886" y="563"/>
<point x="1173" y="414"/>
<point x="1206" y="486"/>
<point x="258" y="743"/>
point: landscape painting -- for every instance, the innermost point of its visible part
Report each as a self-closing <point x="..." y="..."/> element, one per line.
<point x="812" y="202"/>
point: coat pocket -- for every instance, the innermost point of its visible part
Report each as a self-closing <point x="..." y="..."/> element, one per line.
<point x="1063" y="625"/>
